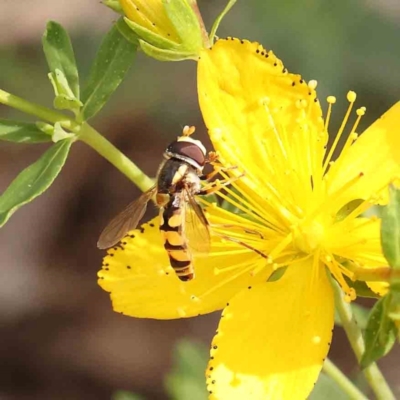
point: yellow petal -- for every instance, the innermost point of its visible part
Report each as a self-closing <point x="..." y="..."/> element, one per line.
<point x="375" y="155"/>
<point x="273" y="338"/>
<point x="142" y="283"/>
<point x="261" y="119"/>
<point x="380" y="288"/>
<point x="357" y="239"/>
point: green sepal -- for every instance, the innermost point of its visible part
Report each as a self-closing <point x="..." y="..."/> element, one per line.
<point x="127" y="32"/>
<point x="113" y="60"/>
<point x="390" y="229"/>
<point x="380" y="333"/>
<point x="151" y="37"/>
<point x="60" y="55"/>
<point x="34" y="180"/>
<point x="186" y="24"/>
<point x="22" y="132"/>
<point x="165" y="55"/>
<point x="65" y="99"/>
<point x="219" y="19"/>
<point x="114" y="5"/>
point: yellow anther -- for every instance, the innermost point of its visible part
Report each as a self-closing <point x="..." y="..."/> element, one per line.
<point x="331" y="99"/>
<point x="354" y="136"/>
<point x="361" y="111"/>
<point x="351" y="96"/>
<point x="312" y="84"/>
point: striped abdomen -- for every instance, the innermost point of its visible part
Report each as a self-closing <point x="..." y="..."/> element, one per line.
<point x="175" y="242"/>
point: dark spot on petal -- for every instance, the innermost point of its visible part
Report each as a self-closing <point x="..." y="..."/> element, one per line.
<point x="275" y="64"/>
<point x="211" y="368"/>
<point x="301" y="81"/>
<point x="249" y="287"/>
<point x="141" y="229"/>
<point x="151" y="224"/>
<point x="215" y="347"/>
<point x="132" y="236"/>
<point x="257" y="51"/>
<point x="213" y="382"/>
<point x="128" y="266"/>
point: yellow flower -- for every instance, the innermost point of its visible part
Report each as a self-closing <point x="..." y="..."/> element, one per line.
<point x="295" y="206"/>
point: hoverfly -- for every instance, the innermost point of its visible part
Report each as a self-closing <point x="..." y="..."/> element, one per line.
<point x="183" y="225"/>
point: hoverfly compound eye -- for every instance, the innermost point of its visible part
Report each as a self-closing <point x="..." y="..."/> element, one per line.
<point x="189" y="150"/>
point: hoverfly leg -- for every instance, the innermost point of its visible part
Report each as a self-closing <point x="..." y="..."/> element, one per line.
<point x="231" y="239"/>
<point x="217" y="185"/>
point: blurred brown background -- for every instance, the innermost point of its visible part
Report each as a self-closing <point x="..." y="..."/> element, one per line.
<point x="59" y="338"/>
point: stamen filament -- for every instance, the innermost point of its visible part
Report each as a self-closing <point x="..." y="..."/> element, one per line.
<point x="351" y="97"/>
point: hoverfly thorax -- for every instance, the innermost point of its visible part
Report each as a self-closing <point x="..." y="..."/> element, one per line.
<point x="189" y="150"/>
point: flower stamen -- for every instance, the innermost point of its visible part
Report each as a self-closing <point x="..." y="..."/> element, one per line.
<point x="351" y="97"/>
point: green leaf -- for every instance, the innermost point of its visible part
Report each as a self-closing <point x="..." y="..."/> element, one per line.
<point x="164" y="55"/>
<point x="65" y="99"/>
<point x="60" y="55"/>
<point x="34" y="180"/>
<point x="186" y="381"/>
<point x="113" y="60"/>
<point x="390" y="229"/>
<point x="379" y="335"/>
<point x="393" y="308"/>
<point x="21" y="132"/>
<point x="219" y="19"/>
<point x="186" y="24"/>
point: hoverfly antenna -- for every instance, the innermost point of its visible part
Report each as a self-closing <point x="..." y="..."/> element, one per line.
<point x="188" y="130"/>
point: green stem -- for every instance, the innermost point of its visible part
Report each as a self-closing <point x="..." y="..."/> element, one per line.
<point x="374" y="376"/>
<point x="99" y="143"/>
<point x="85" y="133"/>
<point x="343" y="381"/>
<point x="41" y="112"/>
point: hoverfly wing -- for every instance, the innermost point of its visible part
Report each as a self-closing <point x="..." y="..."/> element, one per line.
<point x="196" y="226"/>
<point x="127" y="220"/>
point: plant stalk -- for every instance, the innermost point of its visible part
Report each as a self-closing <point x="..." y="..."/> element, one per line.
<point x="102" y="146"/>
<point x="372" y="373"/>
<point x="343" y="381"/>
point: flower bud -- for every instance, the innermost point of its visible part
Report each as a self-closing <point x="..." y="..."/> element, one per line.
<point x="168" y="30"/>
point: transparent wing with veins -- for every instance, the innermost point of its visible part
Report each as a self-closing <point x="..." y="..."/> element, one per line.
<point x="125" y="221"/>
<point x="195" y="225"/>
